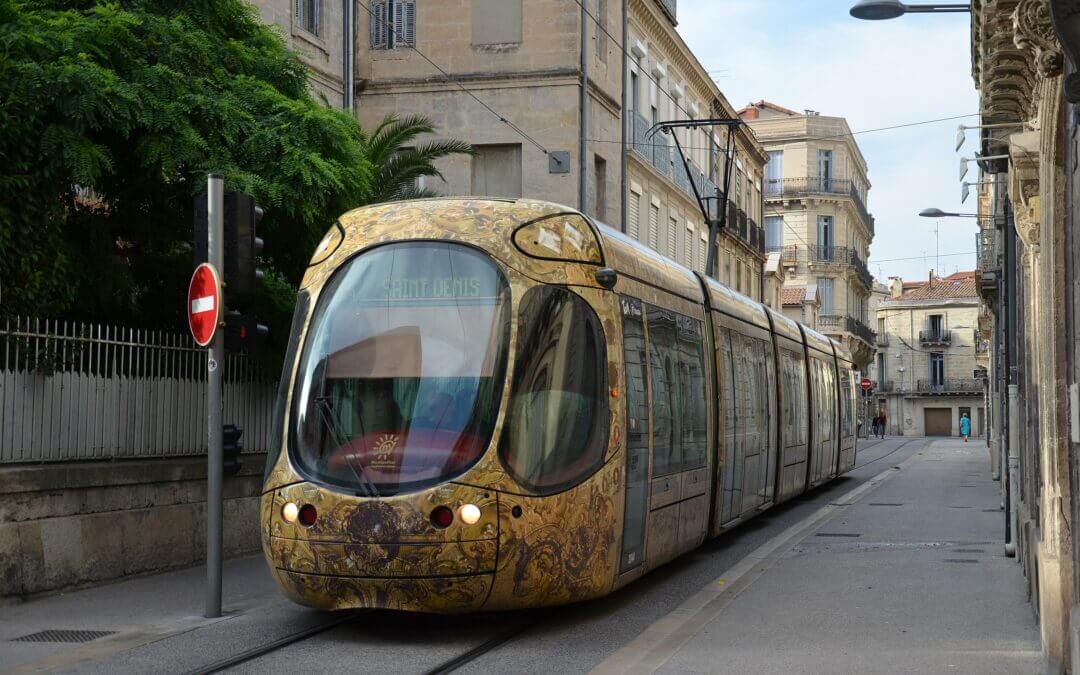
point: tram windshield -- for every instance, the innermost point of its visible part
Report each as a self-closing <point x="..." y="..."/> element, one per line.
<point x="403" y="367"/>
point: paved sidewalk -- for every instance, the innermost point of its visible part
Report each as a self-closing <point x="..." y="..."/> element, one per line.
<point x="139" y="612"/>
<point x="911" y="577"/>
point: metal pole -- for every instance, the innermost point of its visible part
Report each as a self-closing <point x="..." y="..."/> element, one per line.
<point x="583" y="143"/>
<point x="348" y="53"/>
<point x="627" y="118"/>
<point x="215" y="195"/>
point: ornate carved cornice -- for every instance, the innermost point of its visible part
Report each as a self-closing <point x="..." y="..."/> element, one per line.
<point x="1024" y="186"/>
<point x="1034" y="33"/>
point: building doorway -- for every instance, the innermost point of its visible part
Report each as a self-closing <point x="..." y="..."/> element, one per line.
<point x="938" y="421"/>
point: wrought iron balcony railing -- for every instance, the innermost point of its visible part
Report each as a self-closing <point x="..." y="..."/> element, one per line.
<point x="957" y="386"/>
<point x="935" y="337"/>
<point x="837" y="323"/>
<point x="882" y="340"/>
<point x="820" y="185"/>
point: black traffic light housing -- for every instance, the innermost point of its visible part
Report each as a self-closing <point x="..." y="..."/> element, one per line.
<point x="241" y="274"/>
<point x="232" y="447"/>
<point x="244" y="334"/>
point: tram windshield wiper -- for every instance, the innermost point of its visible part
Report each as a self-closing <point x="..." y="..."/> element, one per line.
<point x="329" y="418"/>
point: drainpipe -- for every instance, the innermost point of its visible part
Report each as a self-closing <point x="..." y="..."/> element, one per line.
<point x="1014" y="466"/>
<point x="1012" y="493"/>
<point x="583" y="104"/>
<point x="348" y="53"/>
<point x="624" y="149"/>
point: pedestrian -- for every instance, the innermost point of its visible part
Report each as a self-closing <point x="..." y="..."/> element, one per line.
<point x="876" y="427"/>
<point x="965" y="426"/>
<point x="881" y="422"/>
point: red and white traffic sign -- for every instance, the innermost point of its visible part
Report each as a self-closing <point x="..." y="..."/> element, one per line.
<point x="866" y="384"/>
<point x="204" y="304"/>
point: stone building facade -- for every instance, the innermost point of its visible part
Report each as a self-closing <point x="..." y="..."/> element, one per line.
<point x="816" y="191"/>
<point x="931" y="359"/>
<point x="315" y="30"/>
<point x="1029" y="272"/>
<point x="531" y="62"/>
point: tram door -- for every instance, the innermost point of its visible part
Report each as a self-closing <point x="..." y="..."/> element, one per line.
<point x="747" y="415"/>
<point x="667" y="434"/>
<point x="637" y="434"/>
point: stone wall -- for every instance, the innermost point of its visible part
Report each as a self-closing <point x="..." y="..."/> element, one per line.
<point x="76" y="524"/>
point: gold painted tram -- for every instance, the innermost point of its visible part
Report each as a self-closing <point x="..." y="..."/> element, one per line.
<point x="492" y="404"/>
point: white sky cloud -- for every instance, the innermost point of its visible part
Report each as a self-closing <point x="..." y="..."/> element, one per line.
<point x="813" y="55"/>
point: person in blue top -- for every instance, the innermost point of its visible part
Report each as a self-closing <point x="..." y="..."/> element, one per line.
<point x="965" y="426"/>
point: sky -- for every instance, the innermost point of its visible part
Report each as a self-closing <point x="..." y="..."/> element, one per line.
<point x="811" y="54"/>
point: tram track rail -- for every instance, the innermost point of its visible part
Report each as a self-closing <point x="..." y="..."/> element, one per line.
<point x="499" y="639"/>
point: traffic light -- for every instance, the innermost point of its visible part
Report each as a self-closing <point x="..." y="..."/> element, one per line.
<point x="240" y="274"/>
<point x="232" y="447"/>
<point x="243" y="333"/>
<point x="242" y="246"/>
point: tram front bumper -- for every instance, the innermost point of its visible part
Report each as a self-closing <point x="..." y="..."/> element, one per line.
<point x="382" y="553"/>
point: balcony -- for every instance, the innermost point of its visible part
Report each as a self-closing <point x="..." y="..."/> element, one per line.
<point x="882" y="340"/>
<point x="838" y="323"/>
<point x="885" y="386"/>
<point x="817" y="185"/>
<point x="958" y="386"/>
<point x="988" y="256"/>
<point x="935" y="337"/>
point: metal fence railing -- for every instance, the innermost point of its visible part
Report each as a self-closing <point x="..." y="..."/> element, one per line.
<point x="74" y="390"/>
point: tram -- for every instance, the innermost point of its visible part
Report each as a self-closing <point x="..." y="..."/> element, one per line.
<point x="497" y="404"/>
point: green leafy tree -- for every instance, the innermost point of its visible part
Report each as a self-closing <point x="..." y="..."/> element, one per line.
<point x="111" y="116"/>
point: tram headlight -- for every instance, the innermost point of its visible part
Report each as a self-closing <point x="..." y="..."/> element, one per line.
<point x="470" y="514"/>
<point x="290" y="512"/>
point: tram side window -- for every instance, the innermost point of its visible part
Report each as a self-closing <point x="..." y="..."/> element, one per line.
<point x="557" y="428"/>
<point x="692" y="393"/>
<point x="664" y="366"/>
<point x="637" y="397"/>
<point x="795" y="400"/>
<point x="845" y="403"/>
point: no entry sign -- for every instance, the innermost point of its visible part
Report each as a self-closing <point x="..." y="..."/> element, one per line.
<point x="866" y="384"/>
<point x="204" y="304"/>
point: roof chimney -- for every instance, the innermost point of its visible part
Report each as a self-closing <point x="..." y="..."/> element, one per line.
<point x="896" y="287"/>
<point x="931" y="277"/>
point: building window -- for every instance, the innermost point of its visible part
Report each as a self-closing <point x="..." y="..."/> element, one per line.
<point x="774" y="233"/>
<point x="600" y="179"/>
<point x="937" y="369"/>
<point x="654" y="226"/>
<point x="496" y="170"/>
<point x="936" y="325"/>
<point x="393" y="24"/>
<point x="825" y="238"/>
<point x="825" y="294"/>
<point x="633" y="215"/>
<point x="673" y="238"/>
<point x="496" y="22"/>
<point x="308" y="15"/>
<point x="825" y="170"/>
<point x="774" y="173"/>
<point x="633" y="104"/>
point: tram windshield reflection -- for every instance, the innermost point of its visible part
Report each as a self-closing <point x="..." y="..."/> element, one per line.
<point x="402" y="372"/>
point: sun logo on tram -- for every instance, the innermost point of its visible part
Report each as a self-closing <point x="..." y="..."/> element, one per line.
<point x="384" y="447"/>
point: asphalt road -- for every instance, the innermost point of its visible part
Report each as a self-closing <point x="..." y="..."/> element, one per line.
<point x="569" y="639"/>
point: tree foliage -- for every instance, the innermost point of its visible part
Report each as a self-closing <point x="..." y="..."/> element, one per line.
<point x="111" y="116"/>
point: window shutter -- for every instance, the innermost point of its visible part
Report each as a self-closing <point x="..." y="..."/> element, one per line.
<point x="410" y="22"/>
<point x="316" y="18"/>
<point x="654" y="226"/>
<point x="298" y="11"/>
<point x="672" y="239"/>
<point x="378" y="25"/>
<point x="702" y="249"/>
<point x="633" y="216"/>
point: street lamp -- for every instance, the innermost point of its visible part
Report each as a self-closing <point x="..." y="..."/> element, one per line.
<point x="877" y="10"/>
<point x="938" y="213"/>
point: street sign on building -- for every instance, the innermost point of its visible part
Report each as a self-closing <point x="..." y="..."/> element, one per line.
<point x="204" y="304"/>
<point x="866" y="384"/>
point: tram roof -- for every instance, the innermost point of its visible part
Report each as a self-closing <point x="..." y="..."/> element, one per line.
<point x="736" y="304"/>
<point x="631" y="257"/>
<point x="818" y="341"/>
